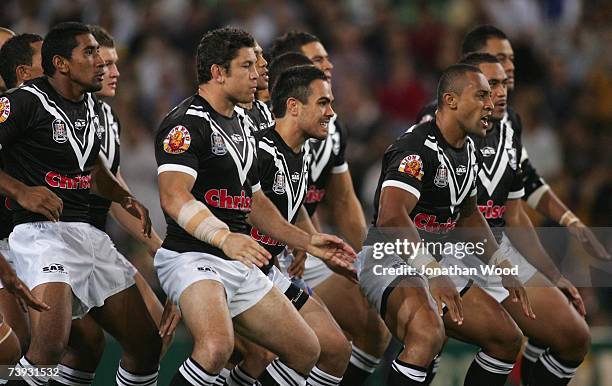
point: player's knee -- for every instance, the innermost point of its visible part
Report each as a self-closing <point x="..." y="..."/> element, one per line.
<point x="335" y="349"/>
<point x="214" y="352"/>
<point x="374" y="339"/>
<point x="304" y="356"/>
<point x="427" y="329"/>
<point x="505" y="342"/>
<point x="259" y="358"/>
<point x="575" y="342"/>
<point x="49" y="352"/>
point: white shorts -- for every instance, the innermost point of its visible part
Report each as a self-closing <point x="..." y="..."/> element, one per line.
<point x="74" y="253"/>
<point x="279" y="280"/>
<point x="244" y="287"/>
<point x="8" y="255"/>
<point x="315" y="272"/>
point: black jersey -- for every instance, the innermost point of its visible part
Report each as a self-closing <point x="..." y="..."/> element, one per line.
<point x="284" y="177"/>
<point x="260" y="114"/>
<point x="442" y="177"/>
<point x="327" y="159"/>
<point x="50" y="141"/>
<point x="533" y="183"/>
<point x="220" y="153"/>
<point x="499" y="173"/>
<point x="110" y="154"/>
<point x="6" y="217"/>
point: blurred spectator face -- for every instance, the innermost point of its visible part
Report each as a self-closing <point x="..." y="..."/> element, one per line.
<point x="111" y="77"/>
<point x="240" y="81"/>
<point x="262" y="68"/>
<point x="502" y="50"/>
<point x="319" y="57"/>
<point x="474" y="105"/>
<point x="498" y="80"/>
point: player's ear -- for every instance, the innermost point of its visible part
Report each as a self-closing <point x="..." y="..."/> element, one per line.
<point x="22" y="72"/>
<point x="450" y="99"/>
<point x="292" y="106"/>
<point x="60" y="63"/>
<point x="217" y="73"/>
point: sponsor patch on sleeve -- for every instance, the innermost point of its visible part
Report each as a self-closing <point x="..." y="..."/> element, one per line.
<point x="5" y="109"/>
<point x="412" y="165"/>
<point x="178" y="140"/>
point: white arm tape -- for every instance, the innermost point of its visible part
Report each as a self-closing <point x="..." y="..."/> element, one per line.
<point x="421" y="260"/>
<point x="497" y="257"/>
<point x="208" y="226"/>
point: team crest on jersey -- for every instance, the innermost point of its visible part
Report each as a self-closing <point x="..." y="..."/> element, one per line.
<point x="178" y="140"/>
<point x="5" y="109"/>
<point x="441" y="178"/>
<point x="279" y="183"/>
<point x="60" y="134"/>
<point x="412" y="165"/>
<point x="217" y="144"/>
<point x="512" y="158"/>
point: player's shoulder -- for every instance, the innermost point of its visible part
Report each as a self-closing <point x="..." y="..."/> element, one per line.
<point x="31" y="90"/>
<point x="189" y="113"/>
<point x="416" y="136"/>
<point x="427" y="113"/>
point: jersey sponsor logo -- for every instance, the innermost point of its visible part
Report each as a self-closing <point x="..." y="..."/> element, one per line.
<point x="80" y="124"/>
<point x="54" y="268"/>
<point x="295" y="177"/>
<point x="429" y="223"/>
<point x="178" y="140"/>
<point x="60" y="133"/>
<point x="217" y="144"/>
<point x="207" y="268"/>
<point x="412" y="165"/>
<point x="264" y="239"/>
<point x="487" y="151"/>
<point x="490" y="211"/>
<point x="237" y="138"/>
<point x="5" y="109"/>
<point x="461" y="169"/>
<point x="218" y="198"/>
<point x="441" y="178"/>
<point x="314" y="195"/>
<point x="57" y="180"/>
<point x="278" y="186"/>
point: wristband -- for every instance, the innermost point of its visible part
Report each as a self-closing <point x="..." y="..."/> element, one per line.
<point x="568" y="218"/>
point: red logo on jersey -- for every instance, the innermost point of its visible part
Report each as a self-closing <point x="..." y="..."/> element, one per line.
<point x="314" y="195"/>
<point x="56" y="180"/>
<point x="429" y="223"/>
<point x="412" y="165"/>
<point x="218" y="198"/>
<point x="5" y="109"/>
<point x="491" y="211"/>
<point x="178" y="140"/>
<point x="264" y="239"/>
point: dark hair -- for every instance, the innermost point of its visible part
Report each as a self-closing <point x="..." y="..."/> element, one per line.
<point x="476" y="58"/>
<point x="291" y="42"/>
<point x="283" y="62"/>
<point x="61" y="40"/>
<point x="220" y="47"/>
<point x="477" y="38"/>
<point x="453" y="80"/>
<point x="15" y="52"/>
<point x="102" y="36"/>
<point x="295" y="83"/>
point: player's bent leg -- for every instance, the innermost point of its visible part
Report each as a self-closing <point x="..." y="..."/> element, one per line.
<point x="499" y="346"/>
<point x="125" y="316"/>
<point x="15" y="317"/>
<point x="558" y="326"/>
<point x="290" y="338"/>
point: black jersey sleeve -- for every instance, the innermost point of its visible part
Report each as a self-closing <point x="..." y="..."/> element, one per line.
<point x="405" y="168"/>
<point x="16" y="110"/>
<point x="178" y="147"/>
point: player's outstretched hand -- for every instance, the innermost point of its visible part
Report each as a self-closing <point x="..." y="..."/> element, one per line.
<point x="298" y="265"/>
<point x="243" y="248"/>
<point x="38" y="199"/>
<point x="444" y="291"/>
<point x="335" y="253"/>
<point x="588" y="240"/>
<point x="15" y="286"/>
<point x="572" y="294"/>
<point x="169" y="320"/>
<point x="518" y="293"/>
<point x="138" y="210"/>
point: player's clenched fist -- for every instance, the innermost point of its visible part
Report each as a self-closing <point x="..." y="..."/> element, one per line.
<point x="243" y="248"/>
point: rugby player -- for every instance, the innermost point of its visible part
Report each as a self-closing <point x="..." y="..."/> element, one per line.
<point x="208" y="181"/>
<point x="75" y="269"/>
<point x="426" y="189"/>
<point x="331" y="184"/>
<point x="257" y="109"/>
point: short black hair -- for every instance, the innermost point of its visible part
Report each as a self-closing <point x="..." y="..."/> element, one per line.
<point x="15" y="52"/>
<point x="477" y="38"/>
<point x="476" y="58"/>
<point x="102" y="36"/>
<point x="61" y="40"/>
<point x="292" y="41"/>
<point x="283" y="62"/>
<point x="453" y="80"/>
<point x="295" y="83"/>
<point x="220" y="46"/>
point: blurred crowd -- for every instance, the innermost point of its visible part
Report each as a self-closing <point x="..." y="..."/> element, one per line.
<point x="387" y="56"/>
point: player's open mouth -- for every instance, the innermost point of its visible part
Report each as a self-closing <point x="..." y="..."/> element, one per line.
<point x="324" y="123"/>
<point x="485" y="121"/>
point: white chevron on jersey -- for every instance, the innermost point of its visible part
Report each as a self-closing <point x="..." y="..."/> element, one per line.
<point x="490" y="177"/>
<point x="110" y="136"/>
<point x="324" y="151"/>
<point x="81" y="147"/>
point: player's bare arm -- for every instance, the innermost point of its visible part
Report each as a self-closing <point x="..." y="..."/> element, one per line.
<point x="36" y="199"/>
<point x="14" y="285"/>
<point x="394" y="212"/>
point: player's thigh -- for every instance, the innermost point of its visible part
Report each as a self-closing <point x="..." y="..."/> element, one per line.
<point x="557" y="322"/>
<point x="50" y="329"/>
<point x="480" y="313"/>
<point x="275" y="324"/>
<point x="152" y="303"/>
<point x="15" y="317"/>
<point x="85" y="345"/>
